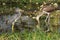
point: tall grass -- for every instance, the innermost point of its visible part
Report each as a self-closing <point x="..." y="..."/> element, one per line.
<point x="30" y="35"/>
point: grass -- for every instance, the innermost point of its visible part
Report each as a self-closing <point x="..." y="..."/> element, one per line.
<point x="30" y="35"/>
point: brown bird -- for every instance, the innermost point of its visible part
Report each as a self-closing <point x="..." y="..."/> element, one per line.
<point x="46" y="9"/>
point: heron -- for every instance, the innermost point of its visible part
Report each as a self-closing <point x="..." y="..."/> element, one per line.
<point x="46" y="9"/>
<point x="15" y="17"/>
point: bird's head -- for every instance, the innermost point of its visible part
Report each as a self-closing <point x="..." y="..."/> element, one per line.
<point x="18" y="10"/>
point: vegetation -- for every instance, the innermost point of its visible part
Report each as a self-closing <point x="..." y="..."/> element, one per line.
<point x="7" y="7"/>
<point x="26" y="35"/>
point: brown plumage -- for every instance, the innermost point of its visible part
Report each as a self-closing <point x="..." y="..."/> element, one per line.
<point x="46" y="9"/>
<point x="49" y="8"/>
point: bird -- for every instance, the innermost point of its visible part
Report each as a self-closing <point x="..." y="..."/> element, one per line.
<point x="15" y="17"/>
<point x="10" y="20"/>
<point x="46" y="9"/>
<point x="7" y="22"/>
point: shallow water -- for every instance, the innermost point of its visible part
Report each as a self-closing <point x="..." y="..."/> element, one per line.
<point x="24" y="21"/>
<point x="3" y="23"/>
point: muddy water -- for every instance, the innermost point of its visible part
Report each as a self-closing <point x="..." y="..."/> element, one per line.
<point x="24" y="21"/>
<point x="7" y="20"/>
<point x="3" y="23"/>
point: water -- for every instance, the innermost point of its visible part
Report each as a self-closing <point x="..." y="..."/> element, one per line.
<point x="5" y="26"/>
<point x="7" y="20"/>
<point x="3" y="23"/>
<point x="28" y="21"/>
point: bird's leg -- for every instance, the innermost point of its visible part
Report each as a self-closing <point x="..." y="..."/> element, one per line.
<point x="46" y="16"/>
<point x="13" y="27"/>
<point x="13" y="23"/>
<point x="47" y="20"/>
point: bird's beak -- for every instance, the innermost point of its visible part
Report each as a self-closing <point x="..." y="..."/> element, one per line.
<point x="19" y="10"/>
